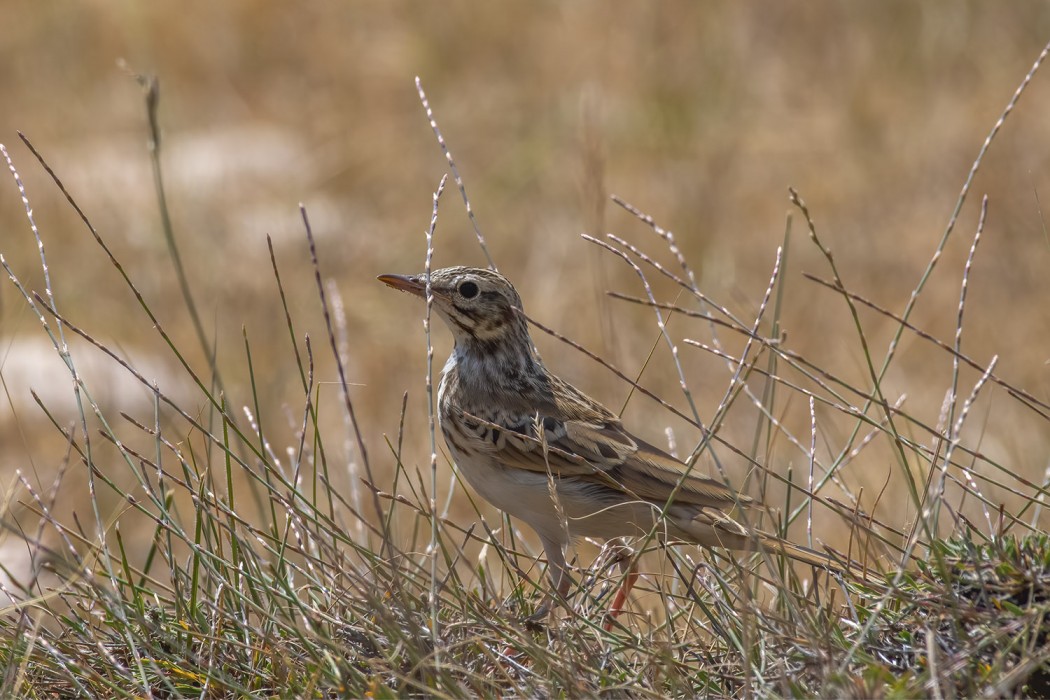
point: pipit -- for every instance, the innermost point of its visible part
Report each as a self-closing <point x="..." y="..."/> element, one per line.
<point x="541" y="450"/>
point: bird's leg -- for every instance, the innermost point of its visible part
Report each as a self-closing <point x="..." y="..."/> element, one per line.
<point x="558" y="572"/>
<point x="629" y="570"/>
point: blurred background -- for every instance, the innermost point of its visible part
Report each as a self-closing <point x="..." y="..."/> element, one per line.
<point x="701" y="114"/>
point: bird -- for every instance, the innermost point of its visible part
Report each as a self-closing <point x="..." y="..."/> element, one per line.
<point x="542" y="451"/>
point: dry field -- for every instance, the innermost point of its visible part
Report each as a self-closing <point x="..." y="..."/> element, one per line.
<point x="702" y="115"/>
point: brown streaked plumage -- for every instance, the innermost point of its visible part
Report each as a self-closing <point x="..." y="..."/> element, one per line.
<point x="514" y="428"/>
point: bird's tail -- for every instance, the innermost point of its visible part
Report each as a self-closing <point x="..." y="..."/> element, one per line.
<point x="713" y="528"/>
<point x="829" y="560"/>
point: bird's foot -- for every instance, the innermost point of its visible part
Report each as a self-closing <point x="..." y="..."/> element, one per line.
<point x="536" y="621"/>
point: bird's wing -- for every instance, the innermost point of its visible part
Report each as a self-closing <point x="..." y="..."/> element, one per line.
<point x="604" y="452"/>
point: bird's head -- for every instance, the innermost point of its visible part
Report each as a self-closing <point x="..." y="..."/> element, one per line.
<point x="481" y="307"/>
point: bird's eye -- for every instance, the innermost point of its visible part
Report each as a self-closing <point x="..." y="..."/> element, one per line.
<point x="468" y="290"/>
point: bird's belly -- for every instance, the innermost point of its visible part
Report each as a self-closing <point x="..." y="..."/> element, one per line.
<point x="520" y="493"/>
<point x="583" y="509"/>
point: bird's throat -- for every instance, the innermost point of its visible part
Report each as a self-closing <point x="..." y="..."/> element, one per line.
<point x="494" y="367"/>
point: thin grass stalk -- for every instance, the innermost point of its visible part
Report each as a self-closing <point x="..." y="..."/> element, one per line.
<point x="151" y="88"/>
<point x="429" y="293"/>
<point x="455" y="172"/>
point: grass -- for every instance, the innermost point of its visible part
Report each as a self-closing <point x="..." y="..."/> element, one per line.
<point x="312" y="559"/>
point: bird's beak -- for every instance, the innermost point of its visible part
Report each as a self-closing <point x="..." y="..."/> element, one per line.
<point x="413" y="284"/>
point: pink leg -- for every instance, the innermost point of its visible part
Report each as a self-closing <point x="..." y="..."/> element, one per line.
<point x="621" y="597"/>
<point x="560" y="582"/>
